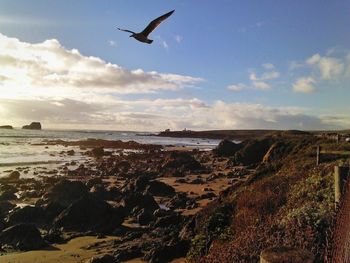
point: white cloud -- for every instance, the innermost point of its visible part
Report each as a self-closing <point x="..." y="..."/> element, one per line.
<point x="304" y="85"/>
<point x="112" y="43"/>
<point x="348" y="62"/>
<point x="165" y="44"/>
<point x="178" y="38"/>
<point x="237" y="87"/>
<point x="159" y="114"/>
<point x="265" y="76"/>
<point x="34" y="68"/>
<point x="329" y="67"/>
<point x="295" y="65"/>
<point x="260" y="82"/>
<point x="268" y="66"/>
<point x="261" y="85"/>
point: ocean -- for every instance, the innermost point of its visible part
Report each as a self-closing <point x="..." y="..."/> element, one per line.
<point x="23" y="149"/>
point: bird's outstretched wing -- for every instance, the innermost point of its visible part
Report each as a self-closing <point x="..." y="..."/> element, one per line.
<point x="156" y="22"/>
<point x="125" y="30"/>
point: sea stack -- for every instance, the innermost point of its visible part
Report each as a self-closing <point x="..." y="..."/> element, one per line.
<point x="6" y="127"/>
<point x="32" y="126"/>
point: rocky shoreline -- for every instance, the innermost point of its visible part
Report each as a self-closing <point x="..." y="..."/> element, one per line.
<point x="144" y="200"/>
<point x="130" y="202"/>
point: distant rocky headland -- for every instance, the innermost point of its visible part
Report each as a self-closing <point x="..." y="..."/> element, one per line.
<point x="228" y="134"/>
<point x="32" y="126"/>
<point x="6" y="127"/>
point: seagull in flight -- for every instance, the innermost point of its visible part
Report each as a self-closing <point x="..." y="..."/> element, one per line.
<point x="143" y="36"/>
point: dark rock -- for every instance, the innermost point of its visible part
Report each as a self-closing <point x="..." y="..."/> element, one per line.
<point x="6" y="127"/>
<point x="2" y="225"/>
<point x="33" y="126"/>
<point x="139" y="201"/>
<point x="112" y="193"/>
<point x="23" y="237"/>
<point x="145" y="217"/>
<point x="138" y="185"/>
<point x="237" y="172"/>
<point x="93" y="182"/>
<point x="5" y="207"/>
<point x="277" y="151"/>
<point x="102" y="259"/>
<point x="168" y="253"/>
<point x="128" y="253"/>
<point x="65" y="192"/>
<point x="54" y="236"/>
<point x="181" y="181"/>
<point x="207" y="195"/>
<point x="52" y="210"/>
<point x="27" y="214"/>
<point x="71" y="152"/>
<point x="227" y="148"/>
<point x="97" y="152"/>
<point x="15" y="175"/>
<point x="253" y="151"/>
<point x="90" y="214"/>
<point x="160" y="189"/>
<point x="124" y="166"/>
<point x="8" y="195"/>
<point x="178" y="201"/>
<point x="167" y="221"/>
<point x="197" y="181"/>
<point x="162" y="212"/>
<point x="181" y="160"/>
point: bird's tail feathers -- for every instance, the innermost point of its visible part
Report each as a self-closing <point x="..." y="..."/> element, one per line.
<point x="149" y="41"/>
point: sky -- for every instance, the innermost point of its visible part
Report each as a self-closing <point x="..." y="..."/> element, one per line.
<point x="223" y="64"/>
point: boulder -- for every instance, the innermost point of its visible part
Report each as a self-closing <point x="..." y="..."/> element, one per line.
<point x="99" y="190"/>
<point x="166" y="221"/>
<point x="139" y="201"/>
<point x="158" y="188"/>
<point x="22" y="237"/>
<point x="128" y="253"/>
<point x="90" y="214"/>
<point x="5" y="207"/>
<point x="145" y="217"/>
<point x="13" y="176"/>
<point x="168" y="252"/>
<point x="226" y="148"/>
<point x="181" y="160"/>
<point x="32" y="126"/>
<point x="52" y="210"/>
<point x="65" y="192"/>
<point x="70" y="152"/>
<point x="93" y="181"/>
<point x="2" y="224"/>
<point x="8" y="195"/>
<point x="27" y="214"/>
<point x="178" y="201"/>
<point x="97" y="152"/>
<point x="253" y="151"/>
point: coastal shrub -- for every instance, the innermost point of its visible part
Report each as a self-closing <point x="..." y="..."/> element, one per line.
<point x="309" y="210"/>
<point x="199" y="247"/>
<point x="216" y="226"/>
